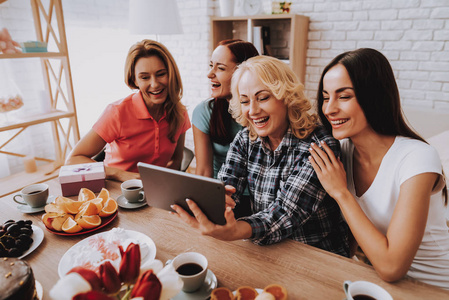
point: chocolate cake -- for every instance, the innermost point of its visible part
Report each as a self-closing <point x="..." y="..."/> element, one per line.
<point x="16" y="280"/>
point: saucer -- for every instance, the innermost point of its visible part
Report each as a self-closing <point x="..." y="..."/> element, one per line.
<point x="203" y="293"/>
<point x="123" y="203"/>
<point x="26" y="209"/>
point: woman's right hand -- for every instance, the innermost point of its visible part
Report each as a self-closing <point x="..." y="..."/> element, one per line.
<point x="330" y="170"/>
<point x="232" y="230"/>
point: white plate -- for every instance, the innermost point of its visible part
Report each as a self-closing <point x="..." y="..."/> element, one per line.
<point x="204" y="292"/>
<point x="38" y="237"/>
<point x="123" y="203"/>
<point x="26" y="209"/>
<point x="39" y="290"/>
<point x="95" y="249"/>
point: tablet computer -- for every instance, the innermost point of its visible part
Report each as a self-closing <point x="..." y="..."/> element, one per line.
<point x="164" y="187"/>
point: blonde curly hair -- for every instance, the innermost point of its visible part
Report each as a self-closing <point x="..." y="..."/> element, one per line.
<point x="284" y="85"/>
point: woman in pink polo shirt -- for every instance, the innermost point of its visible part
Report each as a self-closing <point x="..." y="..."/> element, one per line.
<point x="147" y="126"/>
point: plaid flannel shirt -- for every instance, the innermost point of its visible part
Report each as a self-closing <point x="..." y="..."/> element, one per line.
<point x="287" y="199"/>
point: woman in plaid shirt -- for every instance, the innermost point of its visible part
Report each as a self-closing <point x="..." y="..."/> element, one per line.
<point x="270" y="156"/>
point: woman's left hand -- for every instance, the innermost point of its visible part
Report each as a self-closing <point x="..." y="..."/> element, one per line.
<point x="232" y="230"/>
<point x="330" y="170"/>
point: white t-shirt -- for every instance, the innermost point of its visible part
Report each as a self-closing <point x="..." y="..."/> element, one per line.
<point x="407" y="158"/>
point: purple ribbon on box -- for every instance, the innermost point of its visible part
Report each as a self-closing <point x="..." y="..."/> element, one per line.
<point x="83" y="168"/>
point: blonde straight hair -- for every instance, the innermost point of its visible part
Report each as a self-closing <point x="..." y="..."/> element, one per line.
<point x="284" y="85"/>
<point x="172" y="106"/>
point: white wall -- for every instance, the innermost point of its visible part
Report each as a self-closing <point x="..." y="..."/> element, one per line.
<point x="413" y="34"/>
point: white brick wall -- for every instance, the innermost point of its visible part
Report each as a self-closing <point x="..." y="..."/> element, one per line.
<point x="413" y="34"/>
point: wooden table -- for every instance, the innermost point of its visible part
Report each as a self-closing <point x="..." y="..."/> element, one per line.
<point x="306" y="272"/>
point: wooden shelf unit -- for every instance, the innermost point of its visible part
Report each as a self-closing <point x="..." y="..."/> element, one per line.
<point x="33" y="54"/>
<point x="49" y="27"/>
<point x="225" y="28"/>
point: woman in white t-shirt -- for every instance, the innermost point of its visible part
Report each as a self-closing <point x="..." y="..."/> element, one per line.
<point x="392" y="194"/>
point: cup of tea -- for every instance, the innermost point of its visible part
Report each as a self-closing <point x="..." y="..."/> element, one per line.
<point x="192" y="269"/>
<point x="365" y="290"/>
<point x="34" y="195"/>
<point x="132" y="190"/>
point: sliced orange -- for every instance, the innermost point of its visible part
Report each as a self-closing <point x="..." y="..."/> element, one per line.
<point x="277" y="290"/>
<point x="104" y="195"/>
<point x="60" y="200"/>
<point x="88" y="222"/>
<point x="73" y="206"/>
<point x="53" y="207"/>
<point x="97" y="203"/>
<point x="70" y="226"/>
<point x="85" y="195"/>
<point x="88" y="210"/>
<point x="68" y="205"/>
<point x="109" y="208"/>
<point x="54" y="220"/>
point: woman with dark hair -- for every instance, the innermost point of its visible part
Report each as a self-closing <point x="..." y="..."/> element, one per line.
<point x="393" y="193"/>
<point x="213" y="126"/>
<point x="147" y="126"/>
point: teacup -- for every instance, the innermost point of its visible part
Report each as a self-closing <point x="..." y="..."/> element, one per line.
<point x="132" y="190"/>
<point x="34" y="195"/>
<point x="359" y="290"/>
<point x="192" y="269"/>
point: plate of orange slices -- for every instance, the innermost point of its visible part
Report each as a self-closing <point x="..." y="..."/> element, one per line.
<point x="65" y="216"/>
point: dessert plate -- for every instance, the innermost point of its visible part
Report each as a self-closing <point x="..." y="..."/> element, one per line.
<point x="104" y="221"/>
<point x="38" y="237"/>
<point x="203" y="293"/>
<point x="39" y="290"/>
<point x="123" y="203"/>
<point x="26" y="209"/>
<point x="94" y="250"/>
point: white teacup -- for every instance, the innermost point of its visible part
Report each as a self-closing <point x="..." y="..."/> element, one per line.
<point x="357" y="289"/>
<point x="34" y="195"/>
<point x="132" y="190"/>
<point x="192" y="269"/>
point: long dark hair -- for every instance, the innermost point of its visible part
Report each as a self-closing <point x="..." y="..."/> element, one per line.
<point x="376" y="91"/>
<point x="221" y="120"/>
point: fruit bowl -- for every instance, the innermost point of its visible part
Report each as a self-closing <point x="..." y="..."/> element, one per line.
<point x="66" y="216"/>
<point x="105" y="221"/>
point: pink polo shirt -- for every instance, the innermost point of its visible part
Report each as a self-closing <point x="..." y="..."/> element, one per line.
<point x="133" y="135"/>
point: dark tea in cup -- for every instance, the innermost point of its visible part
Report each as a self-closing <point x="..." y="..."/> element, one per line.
<point x="364" y="290"/>
<point x="133" y="188"/>
<point x="34" y="195"/>
<point x="34" y="192"/>
<point x="189" y="269"/>
<point x="192" y="269"/>
<point x="363" y="297"/>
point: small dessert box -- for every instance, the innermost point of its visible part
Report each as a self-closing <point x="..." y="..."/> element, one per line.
<point x="89" y="175"/>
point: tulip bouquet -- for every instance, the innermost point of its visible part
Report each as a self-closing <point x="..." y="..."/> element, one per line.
<point x="132" y="281"/>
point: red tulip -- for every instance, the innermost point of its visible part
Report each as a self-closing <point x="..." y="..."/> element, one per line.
<point x="90" y="276"/>
<point x="109" y="277"/>
<point x="92" y="295"/>
<point x="130" y="263"/>
<point x="147" y="286"/>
